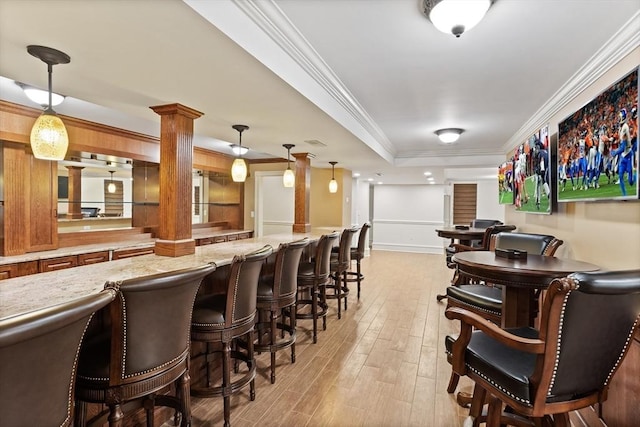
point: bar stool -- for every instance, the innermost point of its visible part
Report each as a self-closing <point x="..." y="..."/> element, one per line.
<point x="357" y="254"/>
<point x="38" y="356"/>
<point x="313" y="276"/>
<point x="143" y="348"/>
<point x="221" y="318"/>
<point x="277" y="300"/>
<point x="339" y="265"/>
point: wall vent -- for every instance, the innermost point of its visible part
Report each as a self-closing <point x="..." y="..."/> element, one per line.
<point x="315" y="143"/>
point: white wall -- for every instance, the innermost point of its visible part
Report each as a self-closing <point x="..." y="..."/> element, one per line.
<point x="405" y="217"/>
<point x="487" y="205"/>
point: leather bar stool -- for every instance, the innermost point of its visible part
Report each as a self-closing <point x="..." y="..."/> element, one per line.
<point x="277" y="300"/>
<point x="143" y="348"/>
<point x="357" y="254"/>
<point x="339" y="265"/>
<point x="221" y="319"/>
<point x="38" y="359"/>
<point x="313" y="276"/>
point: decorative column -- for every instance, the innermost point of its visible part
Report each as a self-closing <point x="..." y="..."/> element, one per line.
<point x="75" y="192"/>
<point x="176" y="163"/>
<point x="302" y="192"/>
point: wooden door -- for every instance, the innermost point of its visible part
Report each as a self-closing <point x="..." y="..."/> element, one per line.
<point x="42" y="209"/>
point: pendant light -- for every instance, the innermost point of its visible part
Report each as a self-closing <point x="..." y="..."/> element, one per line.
<point x="239" y="166"/>
<point x="111" y="188"/>
<point x="333" y="184"/>
<point x="289" y="178"/>
<point x="49" y="138"/>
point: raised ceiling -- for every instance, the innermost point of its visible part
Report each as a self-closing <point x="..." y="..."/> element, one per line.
<point x="371" y="80"/>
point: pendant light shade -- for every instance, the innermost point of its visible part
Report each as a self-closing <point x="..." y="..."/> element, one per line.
<point x="333" y="184"/>
<point x="455" y="16"/>
<point x="49" y="138"/>
<point x="289" y="177"/>
<point x="239" y="166"/>
<point x="111" y="188"/>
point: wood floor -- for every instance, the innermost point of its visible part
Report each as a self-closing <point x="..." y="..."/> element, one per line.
<point x="382" y="364"/>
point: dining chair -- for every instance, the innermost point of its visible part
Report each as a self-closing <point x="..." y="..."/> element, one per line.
<point x="587" y="323"/>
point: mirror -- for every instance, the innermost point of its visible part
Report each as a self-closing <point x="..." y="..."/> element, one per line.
<point x="216" y="199"/>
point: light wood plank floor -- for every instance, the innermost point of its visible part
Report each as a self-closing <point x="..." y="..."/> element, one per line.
<point x="382" y="364"/>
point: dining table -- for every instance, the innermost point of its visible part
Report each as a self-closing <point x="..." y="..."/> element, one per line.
<point x="520" y="278"/>
<point x="463" y="234"/>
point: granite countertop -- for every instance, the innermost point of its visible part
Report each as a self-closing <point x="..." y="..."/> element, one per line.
<point x="33" y="292"/>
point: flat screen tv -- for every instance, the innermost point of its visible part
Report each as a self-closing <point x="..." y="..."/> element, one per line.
<point x="532" y="174"/>
<point x="598" y="146"/>
<point x="505" y="183"/>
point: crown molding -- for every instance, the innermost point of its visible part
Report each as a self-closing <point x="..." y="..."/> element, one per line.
<point x="277" y="26"/>
<point x="615" y="49"/>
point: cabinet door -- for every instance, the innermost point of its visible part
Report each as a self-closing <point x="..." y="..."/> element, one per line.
<point x="42" y="179"/>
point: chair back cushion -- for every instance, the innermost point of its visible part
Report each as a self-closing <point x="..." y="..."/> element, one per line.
<point x="596" y="324"/>
<point x="38" y="353"/>
<point x="155" y="316"/>
<point x="362" y="239"/>
<point x="538" y="244"/>
<point x="484" y="223"/>
<point x="285" y="278"/>
<point x="242" y="286"/>
<point x="344" y="248"/>
<point x="323" y="254"/>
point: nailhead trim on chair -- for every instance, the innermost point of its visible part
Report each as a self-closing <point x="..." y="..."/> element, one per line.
<point x="486" y="310"/>
<point x="560" y="325"/>
<point x="73" y="370"/>
<point x="624" y="349"/>
<point x="499" y="387"/>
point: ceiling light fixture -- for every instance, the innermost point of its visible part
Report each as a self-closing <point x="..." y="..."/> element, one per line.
<point x="333" y="184"/>
<point x="289" y="178"/>
<point x="111" y="188"/>
<point x="455" y="16"/>
<point x="450" y="135"/>
<point x="239" y="166"/>
<point x="41" y="96"/>
<point x="49" y="138"/>
<point x="238" y="150"/>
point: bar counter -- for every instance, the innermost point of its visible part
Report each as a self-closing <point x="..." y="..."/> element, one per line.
<point x="27" y="293"/>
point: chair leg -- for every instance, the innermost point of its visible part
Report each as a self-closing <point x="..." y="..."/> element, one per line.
<point x="479" y="396"/>
<point x="149" y="404"/>
<point x="274" y="340"/>
<point x="346" y="289"/>
<point x="561" y="420"/>
<point x="292" y="322"/>
<point x="338" y="289"/>
<point x="252" y="365"/>
<point x="80" y="414"/>
<point x="323" y="301"/>
<point x="314" y="312"/>
<point x="183" y="386"/>
<point x="453" y="382"/>
<point x="116" y="417"/>
<point x="494" y="412"/>
<point x="226" y="380"/>
<point x="359" y="276"/>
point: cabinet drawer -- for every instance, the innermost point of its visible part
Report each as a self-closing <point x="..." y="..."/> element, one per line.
<point x="60" y="263"/>
<point x="8" y="271"/>
<point x="244" y="235"/>
<point x="93" y="258"/>
<point x="219" y="239"/>
<point x="232" y="237"/>
<point x="205" y="241"/>
<point x="128" y="253"/>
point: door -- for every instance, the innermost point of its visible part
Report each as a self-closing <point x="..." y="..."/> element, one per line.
<point x="274" y="204"/>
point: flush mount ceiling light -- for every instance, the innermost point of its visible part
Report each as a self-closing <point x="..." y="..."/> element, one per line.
<point x="333" y="184"/>
<point x="49" y="138"/>
<point x="450" y="135"/>
<point x="238" y="150"/>
<point x="40" y="96"/>
<point x="239" y="166"/>
<point x="455" y="16"/>
<point x="289" y="178"/>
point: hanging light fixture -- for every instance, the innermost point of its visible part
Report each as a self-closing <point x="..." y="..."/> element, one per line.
<point x="333" y="184"/>
<point x="49" y="138"/>
<point x="239" y="166"/>
<point x="289" y="178"/>
<point x="111" y="188"/>
<point x="455" y="16"/>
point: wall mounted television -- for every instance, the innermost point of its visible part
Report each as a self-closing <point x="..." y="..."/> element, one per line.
<point x="532" y="174"/>
<point x="598" y="146"/>
<point x="505" y="183"/>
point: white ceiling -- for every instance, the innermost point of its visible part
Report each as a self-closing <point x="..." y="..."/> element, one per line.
<point x="370" y="79"/>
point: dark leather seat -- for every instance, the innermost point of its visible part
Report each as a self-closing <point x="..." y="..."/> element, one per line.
<point x="143" y="347"/>
<point x="484" y="223"/>
<point x="587" y="322"/>
<point x="38" y="356"/>
<point x="277" y="300"/>
<point x="221" y="319"/>
<point x="313" y="276"/>
<point x="339" y="265"/>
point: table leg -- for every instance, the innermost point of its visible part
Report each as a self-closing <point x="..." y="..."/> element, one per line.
<point x="517" y="306"/>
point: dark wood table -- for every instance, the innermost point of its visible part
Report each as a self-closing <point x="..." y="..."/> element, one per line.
<point x="520" y="278"/>
<point x="464" y="236"/>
